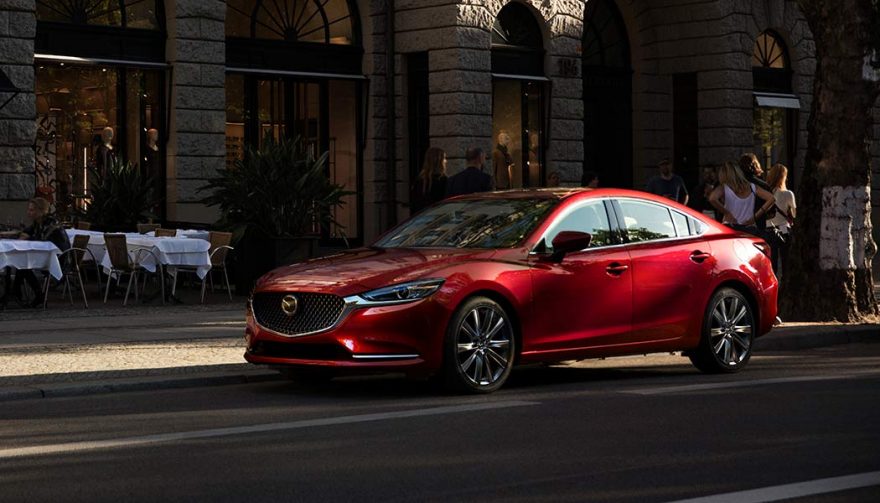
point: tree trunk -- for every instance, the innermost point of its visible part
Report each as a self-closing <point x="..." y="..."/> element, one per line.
<point x="829" y="270"/>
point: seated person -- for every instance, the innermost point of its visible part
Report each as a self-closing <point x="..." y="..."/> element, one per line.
<point x="44" y="227"/>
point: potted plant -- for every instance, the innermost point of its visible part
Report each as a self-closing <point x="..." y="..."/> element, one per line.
<point x="276" y="200"/>
<point x="120" y="198"/>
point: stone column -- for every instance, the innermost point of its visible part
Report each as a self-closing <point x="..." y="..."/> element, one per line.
<point x="196" y="147"/>
<point x="566" y="149"/>
<point x="18" y="118"/>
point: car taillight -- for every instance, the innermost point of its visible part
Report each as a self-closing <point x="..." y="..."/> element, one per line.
<point x="764" y="247"/>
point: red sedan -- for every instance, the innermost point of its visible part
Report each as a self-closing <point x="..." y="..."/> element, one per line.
<point x="476" y="284"/>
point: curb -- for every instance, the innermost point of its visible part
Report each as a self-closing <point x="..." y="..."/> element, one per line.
<point x="29" y="392"/>
<point x="793" y="337"/>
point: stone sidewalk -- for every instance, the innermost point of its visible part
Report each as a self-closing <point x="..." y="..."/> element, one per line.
<point x="70" y="352"/>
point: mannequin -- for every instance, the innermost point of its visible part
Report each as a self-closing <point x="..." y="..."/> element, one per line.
<point x="534" y="159"/>
<point x="151" y="154"/>
<point x="104" y="154"/>
<point x="502" y="161"/>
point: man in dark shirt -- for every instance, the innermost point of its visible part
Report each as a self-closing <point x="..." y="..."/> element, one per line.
<point x="471" y="179"/>
<point x="668" y="184"/>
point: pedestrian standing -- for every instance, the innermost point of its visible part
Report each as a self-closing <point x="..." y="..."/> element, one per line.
<point x="668" y="184"/>
<point x="786" y="210"/>
<point x="751" y="169"/>
<point x="735" y="198"/>
<point x="431" y="183"/>
<point x="471" y="179"/>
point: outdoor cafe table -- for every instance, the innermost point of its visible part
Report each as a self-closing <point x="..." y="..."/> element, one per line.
<point x="22" y="254"/>
<point x="188" y="233"/>
<point x="171" y="252"/>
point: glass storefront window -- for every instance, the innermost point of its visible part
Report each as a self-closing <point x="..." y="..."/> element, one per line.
<point x="276" y="107"/>
<point x="75" y="105"/>
<point x="518" y="138"/>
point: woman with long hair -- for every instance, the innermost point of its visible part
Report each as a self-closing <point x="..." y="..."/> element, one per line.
<point x="735" y="196"/>
<point x="786" y="210"/>
<point x="431" y="183"/>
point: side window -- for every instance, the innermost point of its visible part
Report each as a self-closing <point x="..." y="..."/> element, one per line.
<point x="646" y="221"/>
<point x="697" y="227"/>
<point x="681" y="224"/>
<point x="590" y="218"/>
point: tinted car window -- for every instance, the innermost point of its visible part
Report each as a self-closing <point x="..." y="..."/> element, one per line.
<point x="681" y="223"/>
<point x="475" y="223"/>
<point x="646" y="221"/>
<point x="590" y="217"/>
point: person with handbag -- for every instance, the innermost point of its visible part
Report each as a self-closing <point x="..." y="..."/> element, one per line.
<point x="786" y="210"/>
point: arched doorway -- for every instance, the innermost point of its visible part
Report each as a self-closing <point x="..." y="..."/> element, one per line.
<point x="273" y="89"/>
<point x="607" y="76"/>
<point x="518" y="99"/>
<point x="775" y="107"/>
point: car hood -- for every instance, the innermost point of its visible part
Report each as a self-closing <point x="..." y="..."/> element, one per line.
<point x="364" y="269"/>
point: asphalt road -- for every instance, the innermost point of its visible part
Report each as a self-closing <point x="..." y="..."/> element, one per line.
<point x="800" y="426"/>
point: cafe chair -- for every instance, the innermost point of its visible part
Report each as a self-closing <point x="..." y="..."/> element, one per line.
<point x="145" y="228"/>
<point x="83" y="225"/>
<point x="165" y="233"/>
<point x="219" y="251"/>
<point x="72" y="267"/>
<point x="122" y="263"/>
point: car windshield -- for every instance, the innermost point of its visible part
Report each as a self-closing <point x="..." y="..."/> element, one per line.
<point x="473" y="223"/>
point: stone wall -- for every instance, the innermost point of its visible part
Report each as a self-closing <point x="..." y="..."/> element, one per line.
<point x="18" y="117"/>
<point x="196" y="145"/>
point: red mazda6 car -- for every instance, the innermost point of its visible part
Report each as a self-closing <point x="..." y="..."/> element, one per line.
<point x="476" y="284"/>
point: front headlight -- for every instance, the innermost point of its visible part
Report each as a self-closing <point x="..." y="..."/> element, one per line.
<point x="404" y="292"/>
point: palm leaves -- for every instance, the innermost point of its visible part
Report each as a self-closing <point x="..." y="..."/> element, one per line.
<point x="279" y="189"/>
<point x="121" y="197"/>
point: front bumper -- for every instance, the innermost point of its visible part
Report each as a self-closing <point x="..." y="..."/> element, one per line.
<point x="403" y="337"/>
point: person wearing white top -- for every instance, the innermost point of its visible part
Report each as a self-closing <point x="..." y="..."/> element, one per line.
<point x="786" y="210"/>
<point x="734" y="197"/>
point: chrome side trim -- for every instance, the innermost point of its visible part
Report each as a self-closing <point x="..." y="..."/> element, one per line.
<point x="384" y="357"/>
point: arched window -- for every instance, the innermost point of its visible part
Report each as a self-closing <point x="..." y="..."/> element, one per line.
<point x="120" y="13"/>
<point x="517" y="42"/>
<point x="320" y="21"/>
<point x="770" y="67"/>
<point x="605" y="41"/>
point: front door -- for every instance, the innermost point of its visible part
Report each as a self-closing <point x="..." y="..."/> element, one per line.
<point x="586" y="299"/>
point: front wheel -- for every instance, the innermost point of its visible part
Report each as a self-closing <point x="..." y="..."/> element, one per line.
<point x="727" y="334"/>
<point x="479" y="347"/>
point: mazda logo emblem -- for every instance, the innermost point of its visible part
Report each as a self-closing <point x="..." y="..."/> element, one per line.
<point x="290" y="305"/>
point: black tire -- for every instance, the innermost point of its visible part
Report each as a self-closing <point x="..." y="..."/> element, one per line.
<point x="479" y="347"/>
<point x="728" y="333"/>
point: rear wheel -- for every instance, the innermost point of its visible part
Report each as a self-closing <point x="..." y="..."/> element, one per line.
<point x="728" y="333"/>
<point x="479" y="347"/>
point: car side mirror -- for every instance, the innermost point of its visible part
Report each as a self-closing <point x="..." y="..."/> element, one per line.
<point x="569" y="241"/>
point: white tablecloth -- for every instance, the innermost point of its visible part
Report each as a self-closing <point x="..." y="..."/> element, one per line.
<point x="187" y="233"/>
<point x="172" y="253"/>
<point x="42" y="255"/>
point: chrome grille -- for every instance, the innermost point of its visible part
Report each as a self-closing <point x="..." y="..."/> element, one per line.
<point x="316" y="312"/>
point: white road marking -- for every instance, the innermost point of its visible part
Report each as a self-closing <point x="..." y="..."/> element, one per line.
<point x="796" y="490"/>
<point x="43" y="450"/>
<point x="739" y="384"/>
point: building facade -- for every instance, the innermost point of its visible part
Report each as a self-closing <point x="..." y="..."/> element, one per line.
<point x="561" y="87"/>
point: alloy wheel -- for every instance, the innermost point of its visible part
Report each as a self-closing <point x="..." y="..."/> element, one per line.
<point x="731" y="330"/>
<point x="483" y="345"/>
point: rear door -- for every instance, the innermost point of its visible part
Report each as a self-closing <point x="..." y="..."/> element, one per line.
<point x="586" y="299"/>
<point x="671" y="269"/>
